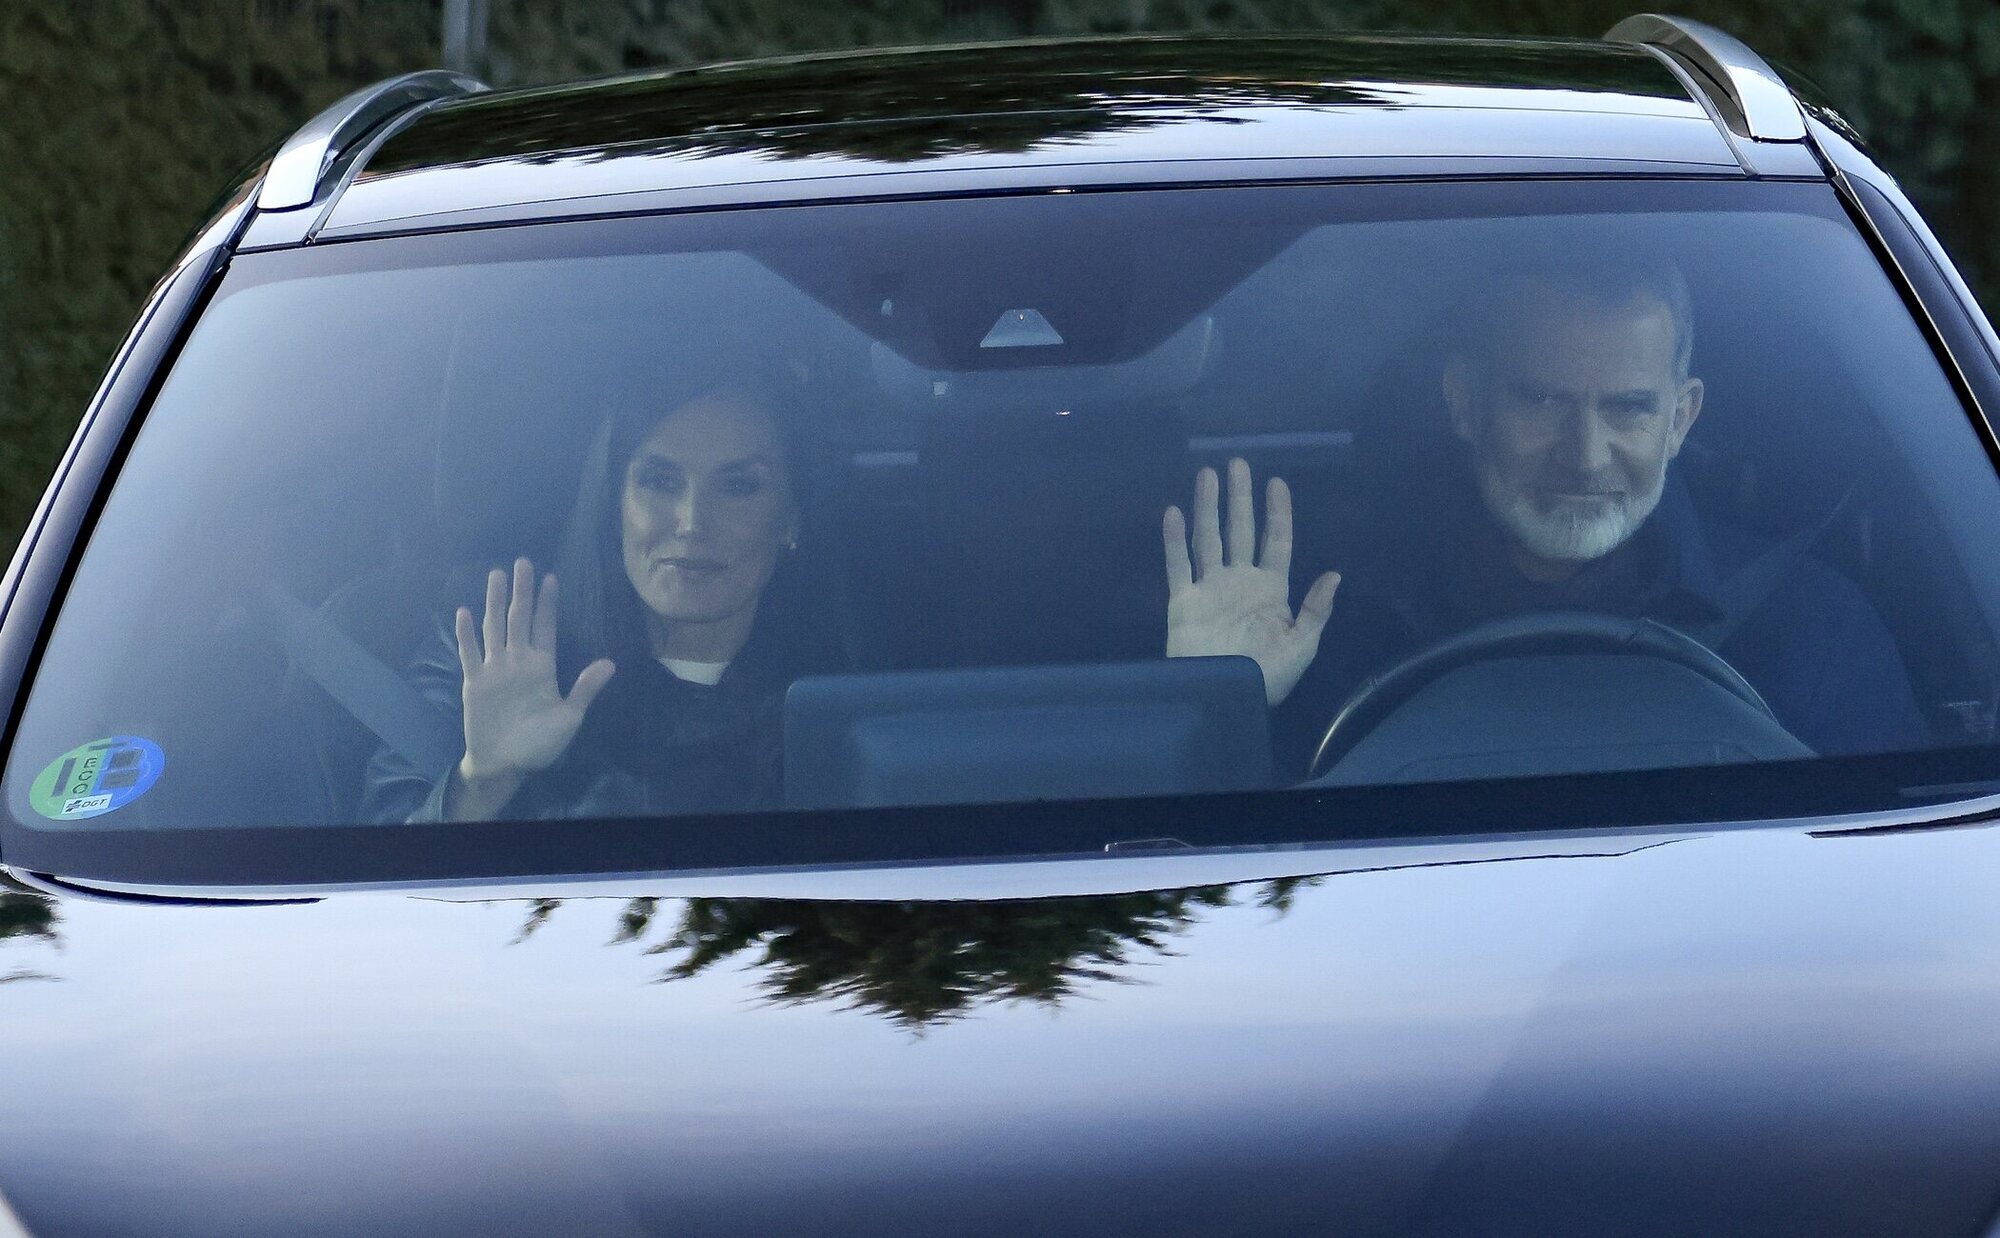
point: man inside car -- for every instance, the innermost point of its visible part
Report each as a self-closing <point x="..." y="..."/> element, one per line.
<point x="1570" y="393"/>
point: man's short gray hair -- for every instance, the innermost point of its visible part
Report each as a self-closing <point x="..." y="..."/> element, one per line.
<point x="1606" y="282"/>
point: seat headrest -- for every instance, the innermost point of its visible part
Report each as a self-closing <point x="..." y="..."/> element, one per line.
<point x="519" y="409"/>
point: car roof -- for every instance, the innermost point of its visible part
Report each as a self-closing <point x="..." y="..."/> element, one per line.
<point x="1037" y="113"/>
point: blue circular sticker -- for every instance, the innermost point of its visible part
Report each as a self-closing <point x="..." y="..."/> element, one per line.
<point x="97" y="777"/>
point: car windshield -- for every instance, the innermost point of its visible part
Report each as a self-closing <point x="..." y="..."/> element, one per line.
<point x="1030" y="524"/>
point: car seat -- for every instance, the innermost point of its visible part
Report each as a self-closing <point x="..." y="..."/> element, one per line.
<point x="509" y="439"/>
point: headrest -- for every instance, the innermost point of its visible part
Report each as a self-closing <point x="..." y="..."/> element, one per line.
<point x="519" y="408"/>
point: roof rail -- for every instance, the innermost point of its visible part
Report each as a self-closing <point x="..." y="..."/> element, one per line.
<point x="1748" y="93"/>
<point x="299" y="169"/>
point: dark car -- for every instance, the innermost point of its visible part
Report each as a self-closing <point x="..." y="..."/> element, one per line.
<point x="1151" y="635"/>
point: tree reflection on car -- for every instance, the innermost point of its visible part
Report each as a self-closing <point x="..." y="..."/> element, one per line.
<point x="923" y="964"/>
<point x="26" y="917"/>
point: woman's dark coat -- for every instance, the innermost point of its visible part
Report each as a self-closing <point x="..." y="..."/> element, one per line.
<point x="652" y="743"/>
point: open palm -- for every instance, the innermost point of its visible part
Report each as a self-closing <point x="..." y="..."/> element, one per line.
<point x="517" y="721"/>
<point x="1229" y="599"/>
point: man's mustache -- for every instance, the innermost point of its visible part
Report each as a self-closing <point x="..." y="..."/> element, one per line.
<point x="1584" y="487"/>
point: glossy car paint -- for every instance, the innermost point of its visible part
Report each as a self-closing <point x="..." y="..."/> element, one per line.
<point x="1762" y="1031"/>
<point x="1754" y="1031"/>
<point x="1038" y="115"/>
<point x="995" y="93"/>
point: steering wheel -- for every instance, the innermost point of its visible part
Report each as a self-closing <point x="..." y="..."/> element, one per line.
<point x="1540" y="633"/>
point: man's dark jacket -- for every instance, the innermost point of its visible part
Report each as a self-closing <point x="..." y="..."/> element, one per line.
<point x="1811" y="643"/>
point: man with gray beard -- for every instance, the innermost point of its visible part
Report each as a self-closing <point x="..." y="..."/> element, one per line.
<point x="1570" y="391"/>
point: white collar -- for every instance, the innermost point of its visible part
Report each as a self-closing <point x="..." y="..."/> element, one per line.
<point x="709" y="673"/>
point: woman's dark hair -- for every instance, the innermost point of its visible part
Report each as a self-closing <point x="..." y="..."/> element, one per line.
<point x="602" y="615"/>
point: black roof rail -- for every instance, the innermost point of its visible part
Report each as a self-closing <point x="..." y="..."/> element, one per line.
<point x="1742" y="87"/>
<point x="300" y="168"/>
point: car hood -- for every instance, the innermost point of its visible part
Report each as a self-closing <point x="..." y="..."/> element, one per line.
<point x="1748" y="1031"/>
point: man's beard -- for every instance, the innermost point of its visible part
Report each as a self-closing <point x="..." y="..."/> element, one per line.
<point x="1569" y="531"/>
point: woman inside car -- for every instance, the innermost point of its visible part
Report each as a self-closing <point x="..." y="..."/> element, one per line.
<point x="646" y="673"/>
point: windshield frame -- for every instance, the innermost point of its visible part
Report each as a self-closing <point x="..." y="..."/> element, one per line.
<point x="1288" y="821"/>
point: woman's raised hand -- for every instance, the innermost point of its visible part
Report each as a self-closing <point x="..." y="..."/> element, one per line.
<point x="1231" y="600"/>
<point x="517" y="721"/>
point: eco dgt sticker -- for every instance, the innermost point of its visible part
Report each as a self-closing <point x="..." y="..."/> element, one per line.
<point x="97" y="777"/>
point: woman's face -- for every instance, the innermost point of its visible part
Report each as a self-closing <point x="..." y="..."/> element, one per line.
<point x="707" y="509"/>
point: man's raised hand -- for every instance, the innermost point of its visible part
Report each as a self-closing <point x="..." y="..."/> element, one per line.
<point x="1227" y="598"/>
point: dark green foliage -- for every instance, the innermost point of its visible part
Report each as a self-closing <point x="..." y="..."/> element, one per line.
<point x="122" y="118"/>
<point x="121" y="121"/>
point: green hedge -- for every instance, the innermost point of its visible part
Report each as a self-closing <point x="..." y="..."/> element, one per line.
<point x="124" y="118"/>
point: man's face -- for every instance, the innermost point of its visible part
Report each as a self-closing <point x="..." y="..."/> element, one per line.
<point x="1572" y="421"/>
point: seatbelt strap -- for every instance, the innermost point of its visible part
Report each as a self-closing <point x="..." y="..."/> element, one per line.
<point x="1745" y="593"/>
<point x="379" y="699"/>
